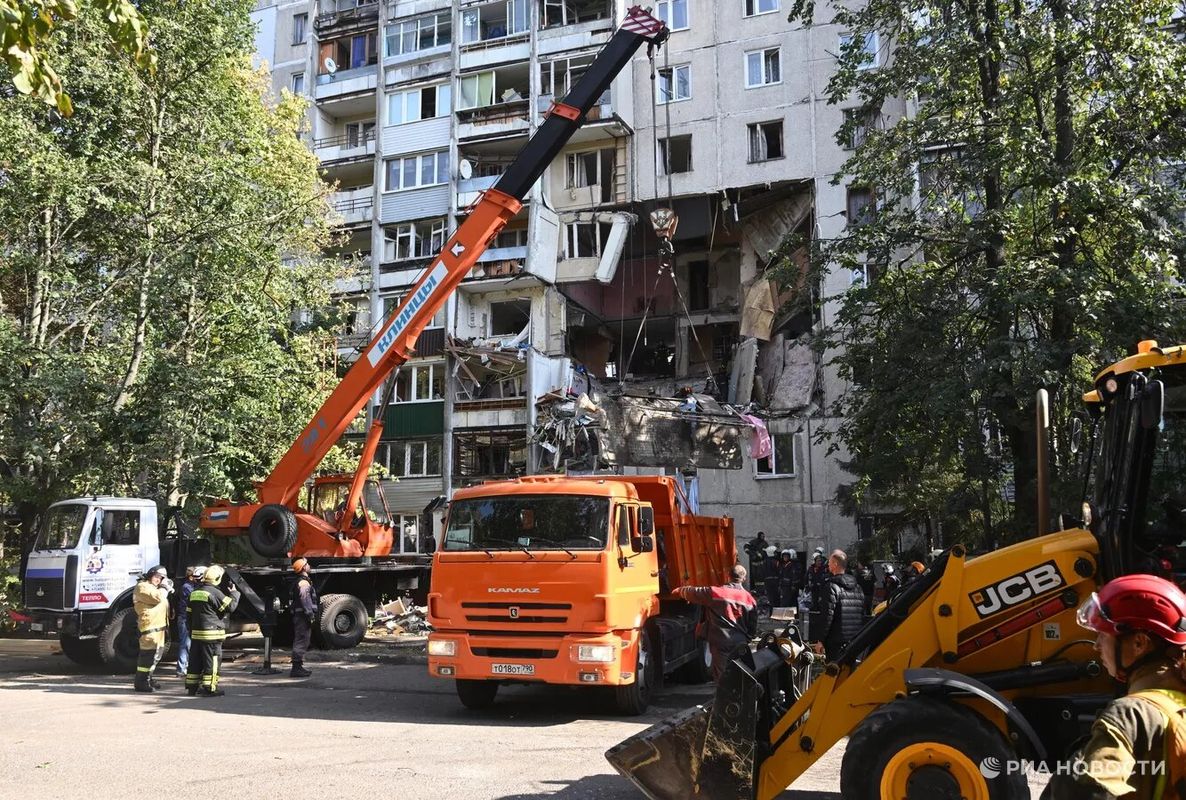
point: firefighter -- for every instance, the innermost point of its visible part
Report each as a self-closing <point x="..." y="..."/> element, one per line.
<point x="193" y="579"/>
<point x="151" y="601"/>
<point x="304" y="612"/>
<point x="1134" y="750"/>
<point x="209" y="608"/>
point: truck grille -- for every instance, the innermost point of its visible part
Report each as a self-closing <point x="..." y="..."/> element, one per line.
<point x="515" y="613"/>
<point x="44" y="593"/>
<point x="514" y="652"/>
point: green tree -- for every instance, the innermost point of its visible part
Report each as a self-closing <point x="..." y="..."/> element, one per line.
<point x="1026" y="229"/>
<point x="25" y="30"/>
<point x="157" y="247"/>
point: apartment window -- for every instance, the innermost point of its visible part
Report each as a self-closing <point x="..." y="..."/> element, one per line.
<point x="417" y="104"/>
<point x="554" y="13"/>
<point x="349" y="52"/>
<point x="359" y="133"/>
<point x="494" y="21"/>
<point x="422" y="33"/>
<point x="763" y="67"/>
<point x="511" y="237"/>
<point x="509" y="317"/>
<point x="592" y="168"/>
<point x="585" y="239"/>
<point x="861" y="206"/>
<point x="298" y="83"/>
<point x="765" y="141"/>
<point x="858" y="122"/>
<point x="413" y="172"/>
<point x="489" y="452"/>
<point x="556" y="78"/>
<point x="869" y="49"/>
<point x="781" y="462"/>
<point x="300" y="28"/>
<point x="414" y="459"/>
<point x="675" y="83"/>
<point x="413" y="240"/>
<point x="755" y="7"/>
<point x="392" y="302"/>
<point x="674" y="13"/>
<point x="420" y="383"/>
<point x="476" y="90"/>
<point x="864" y="275"/>
<point x="675" y="155"/>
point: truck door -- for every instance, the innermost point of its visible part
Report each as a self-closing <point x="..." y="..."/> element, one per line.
<point x="114" y="557"/>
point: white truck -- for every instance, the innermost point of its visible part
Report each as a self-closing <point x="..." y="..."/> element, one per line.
<point x="90" y="551"/>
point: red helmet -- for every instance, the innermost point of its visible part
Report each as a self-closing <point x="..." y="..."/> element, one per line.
<point x="1137" y="603"/>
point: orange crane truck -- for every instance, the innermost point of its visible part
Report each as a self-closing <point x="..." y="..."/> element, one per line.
<point x="569" y="581"/>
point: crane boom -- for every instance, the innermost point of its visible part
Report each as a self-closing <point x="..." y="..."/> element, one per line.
<point x="395" y="341"/>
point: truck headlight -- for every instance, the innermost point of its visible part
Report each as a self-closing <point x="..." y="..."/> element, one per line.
<point x="442" y="647"/>
<point x="597" y="653"/>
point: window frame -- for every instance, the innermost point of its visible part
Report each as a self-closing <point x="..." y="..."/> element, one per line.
<point x="870" y="207"/>
<point x="663" y="157"/>
<point x="396" y="32"/>
<point x="293" y="80"/>
<point x="752" y="127"/>
<point x="761" y="52"/>
<point x="756" y="4"/>
<point x="669" y="5"/>
<point x="413" y="372"/>
<point x="443" y="108"/>
<point x="873" y="52"/>
<point x="302" y="28"/>
<point x="571" y="242"/>
<point x="437" y="156"/>
<point x="673" y="69"/>
<point x="774" y="474"/>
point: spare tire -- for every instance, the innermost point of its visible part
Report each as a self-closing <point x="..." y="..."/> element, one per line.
<point x="342" y="621"/>
<point x="273" y="531"/>
<point x="119" y="641"/>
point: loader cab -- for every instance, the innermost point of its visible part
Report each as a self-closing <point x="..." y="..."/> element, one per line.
<point x="328" y="495"/>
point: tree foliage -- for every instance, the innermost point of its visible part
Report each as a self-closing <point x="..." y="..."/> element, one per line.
<point x="25" y="28"/>
<point x="156" y="247"/>
<point x="1027" y="230"/>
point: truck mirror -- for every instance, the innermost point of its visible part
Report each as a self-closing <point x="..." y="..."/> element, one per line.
<point x="642" y="544"/>
<point x="1152" y="405"/>
<point x="646" y="520"/>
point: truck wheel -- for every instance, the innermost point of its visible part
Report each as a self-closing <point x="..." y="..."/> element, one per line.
<point x="633" y="698"/>
<point x="476" y="695"/>
<point x="81" y="651"/>
<point x="342" y="622"/>
<point x="273" y="531"/>
<point x="928" y="748"/>
<point x="119" y="641"/>
<point x="699" y="669"/>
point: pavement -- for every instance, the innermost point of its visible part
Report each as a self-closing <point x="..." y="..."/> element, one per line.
<point x="368" y="721"/>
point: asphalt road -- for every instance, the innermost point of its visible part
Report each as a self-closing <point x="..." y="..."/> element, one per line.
<point x="355" y="729"/>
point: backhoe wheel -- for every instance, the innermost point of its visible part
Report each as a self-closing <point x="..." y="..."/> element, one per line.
<point x="476" y="695"/>
<point x="632" y="699"/>
<point x="119" y="641"/>
<point x="924" y="748"/>
<point x="80" y="651"/>
<point x="342" y="622"/>
<point x="273" y="531"/>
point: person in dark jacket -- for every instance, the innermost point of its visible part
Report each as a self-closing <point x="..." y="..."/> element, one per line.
<point x="817" y="576"/>
<point x="789" y="578"/>
<point x="209" y="608"/>
<point x="304" y="612"/>
<point x="868" y="583"/>
<point x="732" y="617"/>
<point x="842" y="607"/>
<point x="193" y="579"/>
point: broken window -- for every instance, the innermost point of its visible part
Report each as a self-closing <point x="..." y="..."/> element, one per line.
<point x="489" y="453"/>
<point x="698" y="294"/>
<point x="781" y="462"/>
<point x="476" y="90"/>
<point x="414" y="240"/>
<point x="510" y="317"/>
<point x="763" y="67"/>
<point x="765" y="141"/>
<point x="592" y="168"/>
<point x="862" y="205"/>
<point x="557" y="78"/>
<point x="858" y="122"/>
<point x="585" y="239"/>
<point x="553" y="13"/>
<point x="357" y="317"/>
<point x="674" y="84"/>
<point x="493" y="21"/>
<point x="675" y="155"/>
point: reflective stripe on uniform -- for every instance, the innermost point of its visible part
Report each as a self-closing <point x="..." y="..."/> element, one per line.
<point x="199" y="595"/>
<point x="207" y="636"/>
<point x="225" y="604"/>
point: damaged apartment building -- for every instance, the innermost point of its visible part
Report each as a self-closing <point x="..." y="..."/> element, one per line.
<point x="582" y="340"/>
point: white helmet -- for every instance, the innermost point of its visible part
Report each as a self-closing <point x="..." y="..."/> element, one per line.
<point x="792" y="553"/>
<point x="771" y="551"/>
<point x="889" y="569"/>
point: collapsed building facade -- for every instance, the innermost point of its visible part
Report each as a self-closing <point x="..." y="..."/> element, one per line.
<point x="582" y="340"/>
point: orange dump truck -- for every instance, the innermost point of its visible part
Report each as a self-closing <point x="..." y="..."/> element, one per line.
<point x="568" y="581"/>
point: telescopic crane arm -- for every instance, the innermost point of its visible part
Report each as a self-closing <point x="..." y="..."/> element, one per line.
<point x="394" y="343"/>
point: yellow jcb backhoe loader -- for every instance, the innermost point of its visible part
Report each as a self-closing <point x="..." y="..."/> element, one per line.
<point x="975" y="668"/>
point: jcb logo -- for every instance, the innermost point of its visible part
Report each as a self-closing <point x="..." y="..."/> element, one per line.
<point x="1017" y="589"/>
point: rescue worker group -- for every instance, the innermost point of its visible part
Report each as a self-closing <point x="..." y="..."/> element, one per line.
<point x="207" y="601"/>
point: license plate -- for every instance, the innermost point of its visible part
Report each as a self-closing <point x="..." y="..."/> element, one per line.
<point x="513" y="669"/>
<point x="36" y="626"/>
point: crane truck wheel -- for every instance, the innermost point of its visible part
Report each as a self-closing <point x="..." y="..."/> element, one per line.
<point x="476" y="695"/>
<point x="699" y="669"/>
<point x="273" y="531"/>
<point x="81" y="651"/>
<point x="924" y="748"/>
<point x="119" y="641"/>
<point x="342" y="621"/>
<point x="632" y="699"/>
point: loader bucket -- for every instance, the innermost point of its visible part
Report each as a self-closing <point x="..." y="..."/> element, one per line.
<point x="710" y="751"/>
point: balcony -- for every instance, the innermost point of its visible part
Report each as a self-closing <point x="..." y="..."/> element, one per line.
<point x="350" y="146"/>
<point x="344" y="14"/>
<point x="355" y="207"/>
<point x="470" y="191"/>
<point x="494" y="121"/>
<point x="349" y="91"/>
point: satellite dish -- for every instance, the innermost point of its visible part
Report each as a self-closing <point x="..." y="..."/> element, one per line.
<point x="331" y="66"/>
<point x="466" y="169"/>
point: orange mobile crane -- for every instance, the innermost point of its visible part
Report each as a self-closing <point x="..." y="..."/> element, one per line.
<point x="340" y="520"/>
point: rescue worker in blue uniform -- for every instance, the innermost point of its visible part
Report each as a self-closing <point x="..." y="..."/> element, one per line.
<point x="209" y="608"/>
<point x="304" y="612"/>
<point x="193" y="579"/>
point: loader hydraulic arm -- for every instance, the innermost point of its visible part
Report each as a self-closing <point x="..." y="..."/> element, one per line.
<point x="395" y="341"/>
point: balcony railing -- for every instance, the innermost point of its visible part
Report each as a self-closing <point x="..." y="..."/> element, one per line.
<point x="346" y="140"/>
<point x="347" y="12"/>
<point x="355" y="206"/>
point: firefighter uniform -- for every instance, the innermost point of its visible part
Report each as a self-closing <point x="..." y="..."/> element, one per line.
<point x="150" y="599"/>
<point x="208" y="610"/>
